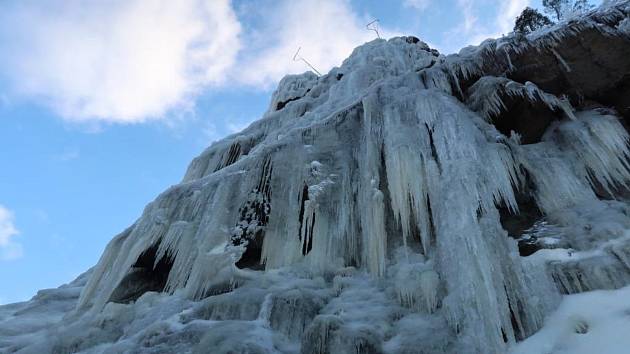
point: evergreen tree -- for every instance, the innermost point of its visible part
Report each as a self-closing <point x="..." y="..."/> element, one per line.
<point x="531" y="20"/>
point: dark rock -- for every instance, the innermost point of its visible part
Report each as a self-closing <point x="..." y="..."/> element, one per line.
<point x="598" y="68"/>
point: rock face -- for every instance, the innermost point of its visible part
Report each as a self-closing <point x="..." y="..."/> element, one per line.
<point x="366" y="212"/>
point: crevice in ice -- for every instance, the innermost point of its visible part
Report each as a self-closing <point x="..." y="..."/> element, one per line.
<point x="517" y="312"/>
<point x="229" y="157"/>
<point x="224" y="153"/>
<point x="146" y="274"/>
<point x="307" y="235"/>
<point x="414" y="231"/>
<point x="431" y="225"/>
<point x="517" y="223"/>
<point x="254" y="216"/>
<point x="530" y="120"/>
<point x="252" y="256"/>
<point x="434" y="153"/>
<point x="305" y="227"/>
<point x="510" y="106"/>
<point x="280" y="105"/>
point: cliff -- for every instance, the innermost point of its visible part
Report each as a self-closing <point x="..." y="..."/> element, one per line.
<point x="405" y="202"/>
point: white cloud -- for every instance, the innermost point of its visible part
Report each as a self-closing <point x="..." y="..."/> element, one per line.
<point x="327" y="31"/>
<point x="508" y="12"/>
<point x="417" y="4"/>
<point x="9" y="248"/>
<point x="503" y="22"/>
<point x="133" y="60"/>
<point x="118" y="60"/>
<point x="470" y="19"/>
<point x="473" y="31"/>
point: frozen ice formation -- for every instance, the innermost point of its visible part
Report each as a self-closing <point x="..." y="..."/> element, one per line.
<point x="405" y="202"/>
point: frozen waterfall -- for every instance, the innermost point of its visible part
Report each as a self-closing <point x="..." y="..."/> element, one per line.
<point x="405" y="202"/>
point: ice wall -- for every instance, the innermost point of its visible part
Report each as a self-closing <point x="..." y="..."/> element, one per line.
<point x="366" y="208"/>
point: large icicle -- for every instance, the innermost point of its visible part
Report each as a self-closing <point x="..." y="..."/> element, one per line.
<point x="372" y="203"/>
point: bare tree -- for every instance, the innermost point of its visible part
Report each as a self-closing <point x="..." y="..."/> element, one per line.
<point x="373" y="26"/>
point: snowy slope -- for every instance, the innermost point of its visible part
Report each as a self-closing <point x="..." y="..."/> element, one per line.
<point x="405" y="202"/>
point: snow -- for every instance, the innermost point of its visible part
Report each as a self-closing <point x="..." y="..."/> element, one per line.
<point x="593" y="322"/>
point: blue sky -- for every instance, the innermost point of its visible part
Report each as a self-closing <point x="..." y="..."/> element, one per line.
<point x="104" y="103"/>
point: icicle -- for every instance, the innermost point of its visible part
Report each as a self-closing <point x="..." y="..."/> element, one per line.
<point x="557" y="186"/>
<point x="600" y="142"/>
<point x="417" y="286"/>
<point x="487" y="92"/>
<point x="509" y="60"/>
<point x="561" y="60"/>
<point x="409" y="197"/>
<point x="376" y="238"/>
<point x="265" y="310"/>
<point x="374" y="234"/>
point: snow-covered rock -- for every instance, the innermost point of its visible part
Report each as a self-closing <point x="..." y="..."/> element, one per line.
<point x="405" y="202"/>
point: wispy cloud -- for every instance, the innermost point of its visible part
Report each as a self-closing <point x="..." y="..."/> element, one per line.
<point x="326" y="30"/>
<point x="503" y="23"/>
<point x="472" y="31"/>
<point x="417" y="4"/>
<point x="508" y="12"/>
<point x="467" y="10"/>
<point x="119" y="60"/>
<point x="135" y="60"/>
<point x="9" y="248"/>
